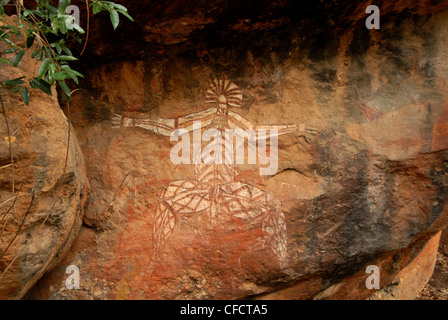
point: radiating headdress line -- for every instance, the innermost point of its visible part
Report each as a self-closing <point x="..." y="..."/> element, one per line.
<point x="224" y="88"/>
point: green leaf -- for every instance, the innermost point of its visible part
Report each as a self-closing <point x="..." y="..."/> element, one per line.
<point x="119" y="7"/>
<point x="60" y="75"/>
<point x="78" y="28"/>
<point x="7" y="51"/>
<point x="15" y="89"/>
<point x="51" y="71"/>
<point x="126" y="15"/>
<point x="40" y="13"/>
<point x="30" y="41"/>
<point x="74" y="77"/>
<point x="63" y="26"/>
<point x="25" y="95"/>
<point x="44" y="86"/>
<point x="62" y="6"/>
<point x="55" y="26"/>
<point x="12" y="44"/>
<point x="67" y="69"/>
<point x="72" y="74"/>
<point x="51" y="8"/>
<point x="65" y="58"/>
<point x="97" y="7"/>
<point x="18" y="34"/>
<point x="114" y="18"/>
<point x="17" y="58"/>
<point x="43" y="67"/>
<point x="64" y="87"/>
<point x="34" y="54"/>
<point x="33" y="84"/>
<point x="5" y="61"/>
<point x="7" y="27"/>
<point x="14" y="82"/>
<point x="66" y="50"/>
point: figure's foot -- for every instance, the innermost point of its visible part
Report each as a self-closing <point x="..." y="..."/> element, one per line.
<point x="307" y="133"/>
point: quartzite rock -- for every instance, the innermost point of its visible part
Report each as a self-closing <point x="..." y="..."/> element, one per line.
<point x="43" y="193"/>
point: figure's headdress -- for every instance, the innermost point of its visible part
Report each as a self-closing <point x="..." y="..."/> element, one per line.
<point x="224" y="88"/>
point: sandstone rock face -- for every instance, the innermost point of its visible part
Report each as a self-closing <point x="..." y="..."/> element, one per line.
<point x="412" y="279"/>
<point x="42" y="191"/>
<point x="367" y="187"/>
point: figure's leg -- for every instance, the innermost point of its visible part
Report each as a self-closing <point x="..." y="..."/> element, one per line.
<point x="274" y="232"/>
<point x="179" y="197"/>
<point x="249" y="202"/>
<point x="164" y="222"/>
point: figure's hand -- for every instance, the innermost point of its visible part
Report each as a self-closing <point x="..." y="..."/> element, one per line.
<point x="119" y="121"/>
<point x="116" y="121"/>
<point x="306" y="133"/>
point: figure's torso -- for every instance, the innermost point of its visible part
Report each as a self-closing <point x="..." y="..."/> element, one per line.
<point x="217" y="173"/>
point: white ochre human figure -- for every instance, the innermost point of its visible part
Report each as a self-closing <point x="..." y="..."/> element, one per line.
<point x="213" y="191"/>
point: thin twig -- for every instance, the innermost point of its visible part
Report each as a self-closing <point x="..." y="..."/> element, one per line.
<point x="68" y="138"/>
<point x="6" y="201"/>
<point x="6" y="214"/>
<point x="4" y="224"/>
<point x="20" y="126"/>
<point x="88" y="27"/>
<point x="18" y="11"/>
<point x="12" y="205"/>
<point x="81" y="89"/>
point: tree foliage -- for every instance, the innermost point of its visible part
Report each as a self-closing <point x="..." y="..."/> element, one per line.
<point x="51" y="28"/>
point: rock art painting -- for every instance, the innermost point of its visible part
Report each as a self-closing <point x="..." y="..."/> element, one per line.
<point x="213" y="191"/>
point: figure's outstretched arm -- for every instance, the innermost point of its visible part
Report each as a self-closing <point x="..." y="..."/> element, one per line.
<point x="300" y="130"/>
<point x="264" y="131"/>
<point x="165" y="126"/>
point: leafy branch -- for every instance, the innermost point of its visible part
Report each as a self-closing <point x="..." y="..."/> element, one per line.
<point x="47" y="21"/>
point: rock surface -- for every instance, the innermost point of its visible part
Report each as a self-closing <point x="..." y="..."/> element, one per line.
<point x="370" y="187"/>
<point x="437" y="287"/>
<point x="412" y="279"/>
<point x="42" y="192"/>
